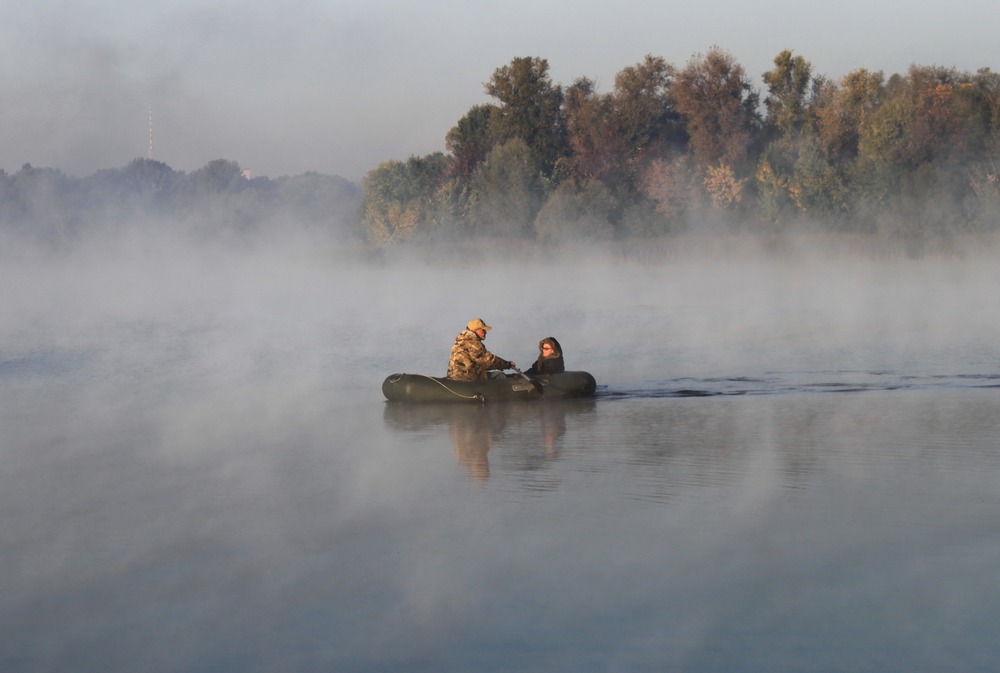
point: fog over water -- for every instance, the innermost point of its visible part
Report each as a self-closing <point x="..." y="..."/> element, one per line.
<point x="790" y="463"/>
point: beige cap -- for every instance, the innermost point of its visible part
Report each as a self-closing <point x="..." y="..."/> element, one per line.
<point x="477" y="323"/>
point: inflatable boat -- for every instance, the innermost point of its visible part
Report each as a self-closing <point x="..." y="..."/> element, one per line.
<point x="422" y="388"/>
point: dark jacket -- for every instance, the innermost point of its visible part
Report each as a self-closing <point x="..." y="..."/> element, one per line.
<point x="553" y="364"/>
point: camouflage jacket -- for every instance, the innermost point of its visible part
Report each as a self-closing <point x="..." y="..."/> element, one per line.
<point x="470" y="360"/>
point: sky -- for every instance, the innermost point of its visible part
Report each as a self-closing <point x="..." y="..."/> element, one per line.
<point x="285" y="87"/>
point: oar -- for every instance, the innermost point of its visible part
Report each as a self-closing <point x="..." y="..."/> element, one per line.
<point x="533" y="382"/>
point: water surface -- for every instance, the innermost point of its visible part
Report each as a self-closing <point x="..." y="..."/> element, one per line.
<point x="785" y="469"/>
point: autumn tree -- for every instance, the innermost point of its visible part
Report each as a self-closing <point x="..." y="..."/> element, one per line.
<point x="719" y="107"/>
<point x="920" y="149"/>
<point x="842" y="110"/>
<point x="643" y="117"/>
<point x="953" y="118"/>
<point x="595" y="148"/>
<point x="934" y="132"/>
<point x="670" y="186"/>
<point x="917" y="121"/>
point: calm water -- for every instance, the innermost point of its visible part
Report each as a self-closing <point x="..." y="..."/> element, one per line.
<point x="787" y="468"/>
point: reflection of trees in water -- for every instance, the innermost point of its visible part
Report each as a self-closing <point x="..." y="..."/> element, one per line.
<point x="530" y="433"/>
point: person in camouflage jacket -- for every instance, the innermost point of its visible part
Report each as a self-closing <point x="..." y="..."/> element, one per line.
<point x="469" y="358"/>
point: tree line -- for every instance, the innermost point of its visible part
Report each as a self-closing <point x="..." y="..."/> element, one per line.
<point x="46" y="205"/>
<point x="911" y="155"/>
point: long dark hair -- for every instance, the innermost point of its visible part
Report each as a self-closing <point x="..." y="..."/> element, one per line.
<point x="556" y="348"/>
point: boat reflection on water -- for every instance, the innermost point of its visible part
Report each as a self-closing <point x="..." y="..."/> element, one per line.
<point x="529" y="434"/>
<point x="472" y="438"/>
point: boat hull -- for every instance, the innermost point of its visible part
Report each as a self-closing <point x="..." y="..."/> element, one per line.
<point x="422" y="388"/>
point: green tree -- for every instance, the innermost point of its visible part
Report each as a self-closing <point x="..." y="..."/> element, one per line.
<point x="819" y="189"/>
<point x="217" y="177"/>
<point x="144" y="187"/>
<point x="788" y="122"/>
<point x="788" y="88"/>
<point x="530" y="108"/>
<point x="882" y="143"/>
<point x="313" y="199"/>
<point x="471" y="139"/>
<point x="981" y="111"/>
<point x="399" y="195"/>
<point x="44" y="204"/>
<point x="219" y="199"/>
<point x="987" y="85"/>
<point x="576" y="214"/>
<point x="983" y="201"/>
<point x="448" y="210"/>
<point x="507" y="192"/>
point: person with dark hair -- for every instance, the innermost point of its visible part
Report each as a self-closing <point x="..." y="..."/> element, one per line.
<point x="550" y="359"/>
<point x="470" y="361"/>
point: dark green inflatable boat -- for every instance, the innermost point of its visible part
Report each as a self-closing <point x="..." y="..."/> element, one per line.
<point x="422" y="388"/>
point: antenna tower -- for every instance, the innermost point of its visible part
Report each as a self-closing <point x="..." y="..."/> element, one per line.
<point x="150" y="132"/>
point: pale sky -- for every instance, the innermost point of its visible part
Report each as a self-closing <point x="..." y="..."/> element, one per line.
<point x="283" y="87"/>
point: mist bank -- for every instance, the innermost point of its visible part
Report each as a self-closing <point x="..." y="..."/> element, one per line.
<point x="219" y="210"/>
<point x="280" y="294"/>
<point x="206" y="240"/>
